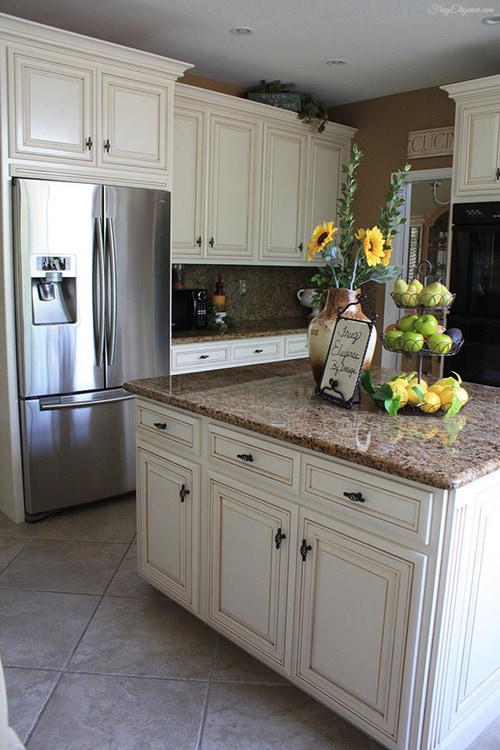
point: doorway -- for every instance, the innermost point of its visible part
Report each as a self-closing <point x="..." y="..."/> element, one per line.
<point x="424" y="236"/>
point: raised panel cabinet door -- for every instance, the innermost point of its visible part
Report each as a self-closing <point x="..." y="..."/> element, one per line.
<point x="479" y="159"/>
<point x="188" y="232"/>
<point x="135" y="123"/>
<point x="232" y="185"/>
<point x="283" y="195"/>
<point x="168" y="493"/>
<point x="249" y="561"/>
<point x="326" y="158"/>
<point x="357" y="629"/>
<point x="51" y="109"/>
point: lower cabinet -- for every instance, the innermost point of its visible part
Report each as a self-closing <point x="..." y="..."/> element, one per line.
<point x="168" y="524"/>
<point x="373" y="594"/>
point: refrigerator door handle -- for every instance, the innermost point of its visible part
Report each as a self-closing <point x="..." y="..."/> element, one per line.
<point x="56" y="403"/>
<point x="111" y="291"/>
<point x="98" y="299"/>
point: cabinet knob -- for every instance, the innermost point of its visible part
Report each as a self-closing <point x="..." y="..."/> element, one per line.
<point x="301" y="246"/>
<point x="183" y="492"/>
<point x="258" y="351"/>
<point x="107" y="145"/>
<point x="160" y="425"/>
<point x="304" y="549"/>
<point x="88" y="143"/>
<point x="245" y="457"/>
<point x="279" y="538"/>
<point x="211" y="241"/>
<point x="356" y="497"/>
<point x="204" y="356"/>
<point x="198" y="241"/>
<point x="498" y="173"/>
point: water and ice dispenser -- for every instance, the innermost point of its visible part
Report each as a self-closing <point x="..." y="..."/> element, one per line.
<point x="53" y="289"/>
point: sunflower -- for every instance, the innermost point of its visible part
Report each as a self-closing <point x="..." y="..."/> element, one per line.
<point x="373" y="245"/>
<point x="387" y="253"/>
<point x="322" y="235"/>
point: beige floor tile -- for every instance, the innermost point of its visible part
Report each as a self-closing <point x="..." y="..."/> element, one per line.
<point x="111" y="521"/>
<point x="28" y="690"/>
<point x="59" y="565"/>
<point x="89" y="712"/>
<point x="9" y="528"/>
<point x="127" y="581"/>
<point x="145" y="637"/>
<point x="231" y="664"/>
<point x="40" y="629"/>
<point x="265" y="717"/>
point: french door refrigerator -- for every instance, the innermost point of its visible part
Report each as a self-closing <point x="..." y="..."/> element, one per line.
<point x="92" y="267"/>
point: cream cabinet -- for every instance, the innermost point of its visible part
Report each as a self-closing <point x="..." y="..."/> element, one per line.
<point x="168" y="513"/>
<point x="64" y="112"/>
<point x="237" y="352"/>
<point x="476" y="159"/>
<point x="250" y="180"/>
<point x="372" y="593"/>
<point x="216" y="163"/>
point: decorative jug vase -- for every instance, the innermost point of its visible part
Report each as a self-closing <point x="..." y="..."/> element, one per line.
<point x="320" y="330"/>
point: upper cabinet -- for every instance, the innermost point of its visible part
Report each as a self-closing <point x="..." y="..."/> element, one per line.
<point x="250" y="181"/>
<point x="79" y="106"/>
<point x="476" y="159"/>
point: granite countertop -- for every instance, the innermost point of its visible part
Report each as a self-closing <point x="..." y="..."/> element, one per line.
<point x="279" y="400"/>
<point x="278" y="327"/>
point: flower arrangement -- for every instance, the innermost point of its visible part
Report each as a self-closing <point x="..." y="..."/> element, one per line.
<point x="353" y="258"/>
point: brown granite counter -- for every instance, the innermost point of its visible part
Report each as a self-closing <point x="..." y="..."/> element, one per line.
<point x="281" y="327"/>
<point x="279" y="400"/>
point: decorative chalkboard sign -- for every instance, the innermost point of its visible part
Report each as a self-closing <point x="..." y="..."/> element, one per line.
<point x="344" y="363"/>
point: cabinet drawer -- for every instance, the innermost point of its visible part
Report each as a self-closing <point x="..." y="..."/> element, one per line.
<point x="168" y="426"/>
<point x="385" y="504"/>
<point x="200" y="357"/>
<point x="257" y="457"/>
<point x="296" y="346"/>
<point x="257" y="350"/>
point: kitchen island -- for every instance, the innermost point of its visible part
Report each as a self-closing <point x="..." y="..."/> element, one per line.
<point x="353" y="552"/>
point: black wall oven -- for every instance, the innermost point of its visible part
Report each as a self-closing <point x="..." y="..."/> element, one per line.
<point x="475" y="279"/>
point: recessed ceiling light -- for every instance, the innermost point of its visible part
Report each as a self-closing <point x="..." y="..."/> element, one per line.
<point x="491" y="20"/>
<point x="242" y="31"/>
<point x="336" y="63"/>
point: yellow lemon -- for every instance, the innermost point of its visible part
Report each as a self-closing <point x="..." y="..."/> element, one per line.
<point x="399" y="388"/>
<point x="448" y="394"/>
<point x="431" y="402"/>
<point x="435" y="388"/>
<point x="419" y="383"/>
<point x="413" y="396"/>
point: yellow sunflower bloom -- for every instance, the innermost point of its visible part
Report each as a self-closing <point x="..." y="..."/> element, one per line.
<point x="373" y="245"/>
<point x="387" y="253"/>
<point x="322" y="235"/>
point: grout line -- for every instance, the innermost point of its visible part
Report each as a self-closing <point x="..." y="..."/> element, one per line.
<point x="203" y="718"/>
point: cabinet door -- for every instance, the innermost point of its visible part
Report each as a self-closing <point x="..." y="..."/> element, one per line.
<point x="168" y="502"/>
<point x="358" y="614"/>
<point x="479" y="149"/>
<point x="232" y="185"/>
<point x="135" y="123"/>
<point x="326" y="158"/>
<point x="51" y="109"/>
<point x="250" y="539"/>
<point x="188" y="232"/>
<point x="283" y="195"/>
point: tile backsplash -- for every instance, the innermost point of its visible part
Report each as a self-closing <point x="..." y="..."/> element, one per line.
<point x="271" y="290"/>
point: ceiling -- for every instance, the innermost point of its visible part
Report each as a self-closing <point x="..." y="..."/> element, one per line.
<point x="389" y="46"/>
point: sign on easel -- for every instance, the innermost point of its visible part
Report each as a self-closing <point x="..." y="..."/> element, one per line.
<point x="344" y="363"/>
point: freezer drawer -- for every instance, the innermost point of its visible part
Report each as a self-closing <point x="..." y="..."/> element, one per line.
<point x="77" y="449"/>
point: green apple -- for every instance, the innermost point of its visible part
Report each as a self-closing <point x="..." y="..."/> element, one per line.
<point x="440" y="343"/>
<point x="411" y="341"/>
<point x="407" y="323"/>
<point x="392" y="338"/>
<point x="410" y="297"/>
<point x="426" y="324"/>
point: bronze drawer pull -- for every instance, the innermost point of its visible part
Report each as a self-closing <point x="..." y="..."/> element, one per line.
<point x="356" y="497"/>
<point x="183" y="492"/>
<point x="279" y="538"/>
<point x="245" y="457"/>
<point x="160" y="425"/>
<point x="304" y="549"/>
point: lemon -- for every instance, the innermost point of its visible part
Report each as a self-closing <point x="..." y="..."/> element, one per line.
<point x="413" y="396"/>
<point x="435" y="388"/>
<point x="431" y="402"/>
<point x="419" y="383"/>
<point x="448" y="394"/>
<point x="399" y="388"/>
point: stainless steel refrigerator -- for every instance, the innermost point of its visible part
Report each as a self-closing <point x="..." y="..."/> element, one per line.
<point x="92" y="304"/>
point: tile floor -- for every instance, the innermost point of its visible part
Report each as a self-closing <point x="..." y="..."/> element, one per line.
<point x="96" y="659"/>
